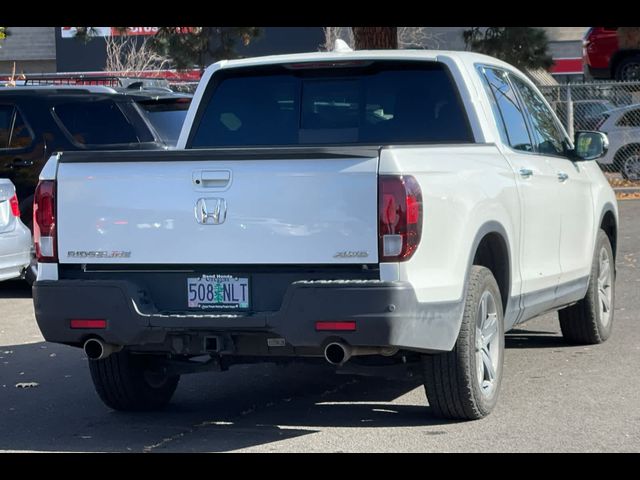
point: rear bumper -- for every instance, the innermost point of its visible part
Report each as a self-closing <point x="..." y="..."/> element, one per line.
<point x="15" y="252"/>
<point x="387" y="314"/>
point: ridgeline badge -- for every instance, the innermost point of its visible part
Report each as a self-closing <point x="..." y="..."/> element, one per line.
<point x="351" y="254"/>
<point x="98" y="254"/>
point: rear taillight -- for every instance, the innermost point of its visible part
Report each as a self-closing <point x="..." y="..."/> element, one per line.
<point x="44" y="221"/>
<point x="15" y="208"/>
<point x="400" y="217"/>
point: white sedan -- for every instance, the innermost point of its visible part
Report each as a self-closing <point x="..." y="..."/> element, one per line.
<point x="15" y="237"/>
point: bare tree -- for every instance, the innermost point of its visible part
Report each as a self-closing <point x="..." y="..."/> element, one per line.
<point x="418" y="37"/>
<point x="13" y="78"/>
<point x="127" y="54"/>
<point x="331" y="34"/>
<point x="407" y="37"/>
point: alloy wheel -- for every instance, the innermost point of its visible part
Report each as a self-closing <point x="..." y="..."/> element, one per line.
<point x="487" y="344"/>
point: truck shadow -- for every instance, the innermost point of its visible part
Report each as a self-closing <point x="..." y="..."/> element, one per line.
<point x="520" y="338"/>
<point x="15" y="289"/>
<point x="247" y="406"/>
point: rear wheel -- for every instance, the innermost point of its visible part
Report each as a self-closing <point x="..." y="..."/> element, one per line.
<point x="129" y="382"/>
<point x="628" y="70"/>
<point x="589" y="321"/>
<point x="463" y="384"/>
<point x="630" y="166"/>
<point x="31" y="272"/>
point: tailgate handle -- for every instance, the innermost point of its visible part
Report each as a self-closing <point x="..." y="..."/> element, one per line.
<point x="212" y="178"/>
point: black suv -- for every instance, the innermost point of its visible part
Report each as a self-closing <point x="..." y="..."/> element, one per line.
<point x="36" y="121"/>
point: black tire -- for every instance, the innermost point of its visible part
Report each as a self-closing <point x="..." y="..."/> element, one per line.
<point x="451" y="379"/>
<point x="26" y="212"/>
<point x="123" y="382"/>
<point x="584" y="323"/>
<point x="31" y="273"/>
<point x="629" y="69"/>
<point x="629" y="165"/>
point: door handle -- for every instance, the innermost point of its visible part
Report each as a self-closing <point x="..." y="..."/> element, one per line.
<point x="525" y="172"/>
<point x="212" y="178"/>
<point x="562" y="177"/>
<point x="19" y="163"/>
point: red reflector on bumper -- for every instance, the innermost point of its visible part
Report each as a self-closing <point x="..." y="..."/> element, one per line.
<point x="342" y="326"/>
<point x="82" y="323"/>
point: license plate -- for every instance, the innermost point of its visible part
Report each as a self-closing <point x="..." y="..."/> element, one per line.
<point x="218" y="292"/>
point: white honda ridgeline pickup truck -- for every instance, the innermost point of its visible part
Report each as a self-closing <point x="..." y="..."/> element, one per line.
<point x="382" y="210"/>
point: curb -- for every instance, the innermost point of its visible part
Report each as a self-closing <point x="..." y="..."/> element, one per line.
<point x="627" y="190"/>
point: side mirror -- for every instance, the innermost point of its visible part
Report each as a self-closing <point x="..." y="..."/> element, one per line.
<point x="590" y="145"/>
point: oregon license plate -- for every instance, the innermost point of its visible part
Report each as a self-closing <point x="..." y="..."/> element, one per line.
<point x="218" y="292"/>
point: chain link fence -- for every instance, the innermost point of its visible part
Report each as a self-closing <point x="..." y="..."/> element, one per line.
<point x="610" y="107"/>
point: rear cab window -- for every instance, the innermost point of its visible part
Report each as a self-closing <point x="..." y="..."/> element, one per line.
<point x="389" y="102"/>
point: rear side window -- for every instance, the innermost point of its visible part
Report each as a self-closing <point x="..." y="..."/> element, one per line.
<point x="166" y="117"/>
<point x="100" y="122"/>
<point x="387" y="102"/>
<point x="14" y="132"/>
<point x="506" y="109"/>
<point x="630" y="119"/>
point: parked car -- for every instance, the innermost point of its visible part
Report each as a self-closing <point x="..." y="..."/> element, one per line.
<point x="622" y="126"/>
<point x="604" y="59"/>
<point x="381" y="210"/>
<point x="587" y="114"/>
<point x="36" y="121"/>
<point x="15" y="237"/>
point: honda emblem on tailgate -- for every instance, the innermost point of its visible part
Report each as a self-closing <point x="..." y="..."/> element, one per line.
<point x="211" y="211"/>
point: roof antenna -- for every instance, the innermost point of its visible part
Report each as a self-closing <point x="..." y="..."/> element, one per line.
<point x="341" y="46"/>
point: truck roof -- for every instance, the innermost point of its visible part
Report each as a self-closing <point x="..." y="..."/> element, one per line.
<point x="404" y="54"/>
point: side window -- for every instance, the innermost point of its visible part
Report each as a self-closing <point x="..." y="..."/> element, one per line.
<point x="85" y="123"/>
<point x="548" y="137"/>
<point x="630" y="119"/>
<point x="506" y="109"/>
<point x="14" y="132"/>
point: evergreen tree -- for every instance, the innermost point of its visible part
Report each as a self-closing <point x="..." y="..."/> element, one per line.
<point x="522" y="47"/>
<point x="199" y="46"/>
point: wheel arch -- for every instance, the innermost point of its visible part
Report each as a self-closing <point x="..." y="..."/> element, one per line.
<point x="608" y="222"/>
<point x="491" y="249"/>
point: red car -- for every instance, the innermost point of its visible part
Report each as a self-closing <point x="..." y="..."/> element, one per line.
<point x="604" y="59"/>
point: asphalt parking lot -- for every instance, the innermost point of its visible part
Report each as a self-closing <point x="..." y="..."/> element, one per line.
<point x="554" y="397"/>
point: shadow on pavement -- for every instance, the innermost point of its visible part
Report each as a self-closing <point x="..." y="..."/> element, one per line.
<point x="15" y="289"/>
<point x="520" y="338"/>
<point x="246" y="406"/>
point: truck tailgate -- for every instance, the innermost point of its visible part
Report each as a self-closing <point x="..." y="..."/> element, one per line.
<point x="289" y="206"/>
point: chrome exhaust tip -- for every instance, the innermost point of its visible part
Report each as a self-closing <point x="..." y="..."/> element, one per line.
<point x="337" y="353"/>
<point x="96" y="349"/>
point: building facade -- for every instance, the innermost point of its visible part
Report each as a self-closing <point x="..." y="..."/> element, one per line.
<point x="32" y="49"/>
<point x="46" y="49"/>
